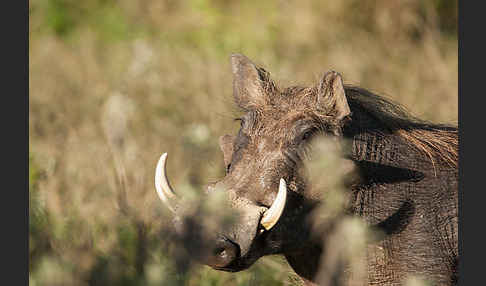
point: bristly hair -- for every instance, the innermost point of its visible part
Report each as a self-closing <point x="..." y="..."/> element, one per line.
<point x="269" y="85"/>
<point x="437" y="141"/>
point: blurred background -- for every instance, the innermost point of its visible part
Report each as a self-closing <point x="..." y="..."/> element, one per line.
<point x="114" y="84"/>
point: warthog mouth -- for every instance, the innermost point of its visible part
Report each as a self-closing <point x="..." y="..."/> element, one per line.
<point x="231" y="261"/>
<point x="239" y="264"/>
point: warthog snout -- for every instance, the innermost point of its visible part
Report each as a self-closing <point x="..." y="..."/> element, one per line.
<point x="223" y="254"/>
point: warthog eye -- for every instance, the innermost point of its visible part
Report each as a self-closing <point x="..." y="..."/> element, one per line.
<point x="228" y="168"/>
<point x="307" y="134"/>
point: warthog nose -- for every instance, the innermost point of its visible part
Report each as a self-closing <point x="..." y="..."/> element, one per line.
<point x="223" y="253"/>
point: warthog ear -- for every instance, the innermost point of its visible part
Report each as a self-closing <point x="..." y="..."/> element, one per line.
<point x="249" y="82"/>
<point x="226" y="145"/>
<point x="331" y="97"/>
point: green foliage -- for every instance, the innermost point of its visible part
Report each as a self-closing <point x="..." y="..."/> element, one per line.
<point x="65" y="17"/>
<point x="59" y="17"/>
<point x="448" y="16"/>
<point x="38" y="217"/>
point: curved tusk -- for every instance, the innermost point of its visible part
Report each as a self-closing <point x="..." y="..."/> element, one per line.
<point x="271" y="216"/>
<point x="164" y="190"/>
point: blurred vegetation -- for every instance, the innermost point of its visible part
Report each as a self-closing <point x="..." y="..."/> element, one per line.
<point x="113" y="84"/>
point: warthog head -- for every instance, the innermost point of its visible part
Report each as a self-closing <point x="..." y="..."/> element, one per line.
<point x="264" y="176"/>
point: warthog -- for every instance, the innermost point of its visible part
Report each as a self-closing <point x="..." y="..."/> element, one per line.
<point x="407" y="188"/>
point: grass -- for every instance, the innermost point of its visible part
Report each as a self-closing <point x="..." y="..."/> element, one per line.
<point x="113" y="84"/>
